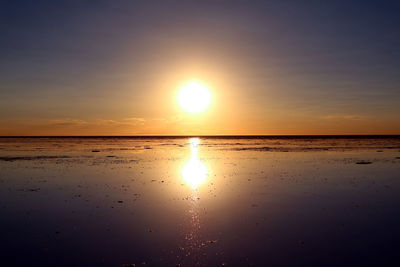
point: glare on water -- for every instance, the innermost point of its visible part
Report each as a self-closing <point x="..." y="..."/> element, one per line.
<point x="194" y="172"/>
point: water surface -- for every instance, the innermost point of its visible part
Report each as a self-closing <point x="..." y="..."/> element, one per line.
<point x="277" y="201"/>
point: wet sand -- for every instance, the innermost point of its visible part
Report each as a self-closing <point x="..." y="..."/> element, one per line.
<point x="200" y="201"/>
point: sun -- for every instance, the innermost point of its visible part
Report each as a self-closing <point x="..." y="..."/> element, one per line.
<point x="194" y="97"/>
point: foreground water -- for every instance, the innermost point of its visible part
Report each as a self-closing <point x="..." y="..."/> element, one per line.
<point x="200" y="201"/>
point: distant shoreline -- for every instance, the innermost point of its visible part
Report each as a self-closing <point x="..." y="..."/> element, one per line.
<point x="219" y="136"/>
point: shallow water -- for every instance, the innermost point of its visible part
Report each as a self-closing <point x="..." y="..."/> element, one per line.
<point x="200" y="201"/>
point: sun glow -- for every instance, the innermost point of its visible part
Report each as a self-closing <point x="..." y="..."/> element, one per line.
<point x="194" y="97"/>
<point x="194" y="172"/>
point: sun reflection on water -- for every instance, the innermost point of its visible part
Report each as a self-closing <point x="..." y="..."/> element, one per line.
<point x="194" y="172"/>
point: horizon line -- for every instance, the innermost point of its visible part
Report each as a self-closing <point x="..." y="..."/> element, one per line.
<point x="208" y="136"/>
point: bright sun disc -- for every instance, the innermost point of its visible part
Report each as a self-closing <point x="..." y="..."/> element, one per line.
<point x="194" y="97"/>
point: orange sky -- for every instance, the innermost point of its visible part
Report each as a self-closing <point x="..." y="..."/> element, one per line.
<point x="272" y="69"/>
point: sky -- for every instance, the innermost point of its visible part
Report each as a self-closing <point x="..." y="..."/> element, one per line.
<point x="273" y="67"/>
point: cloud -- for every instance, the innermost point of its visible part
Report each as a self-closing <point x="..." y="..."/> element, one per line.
<point x="346" y="117"/>
<point x="135" y="121"/>
<point x="71" y="126"/>
<point x="124" y="122"/>
<point x="66" y="122"/>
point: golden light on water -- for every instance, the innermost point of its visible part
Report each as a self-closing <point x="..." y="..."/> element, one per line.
<point x="194" y="172"/>
<point x="194" y="97"/>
